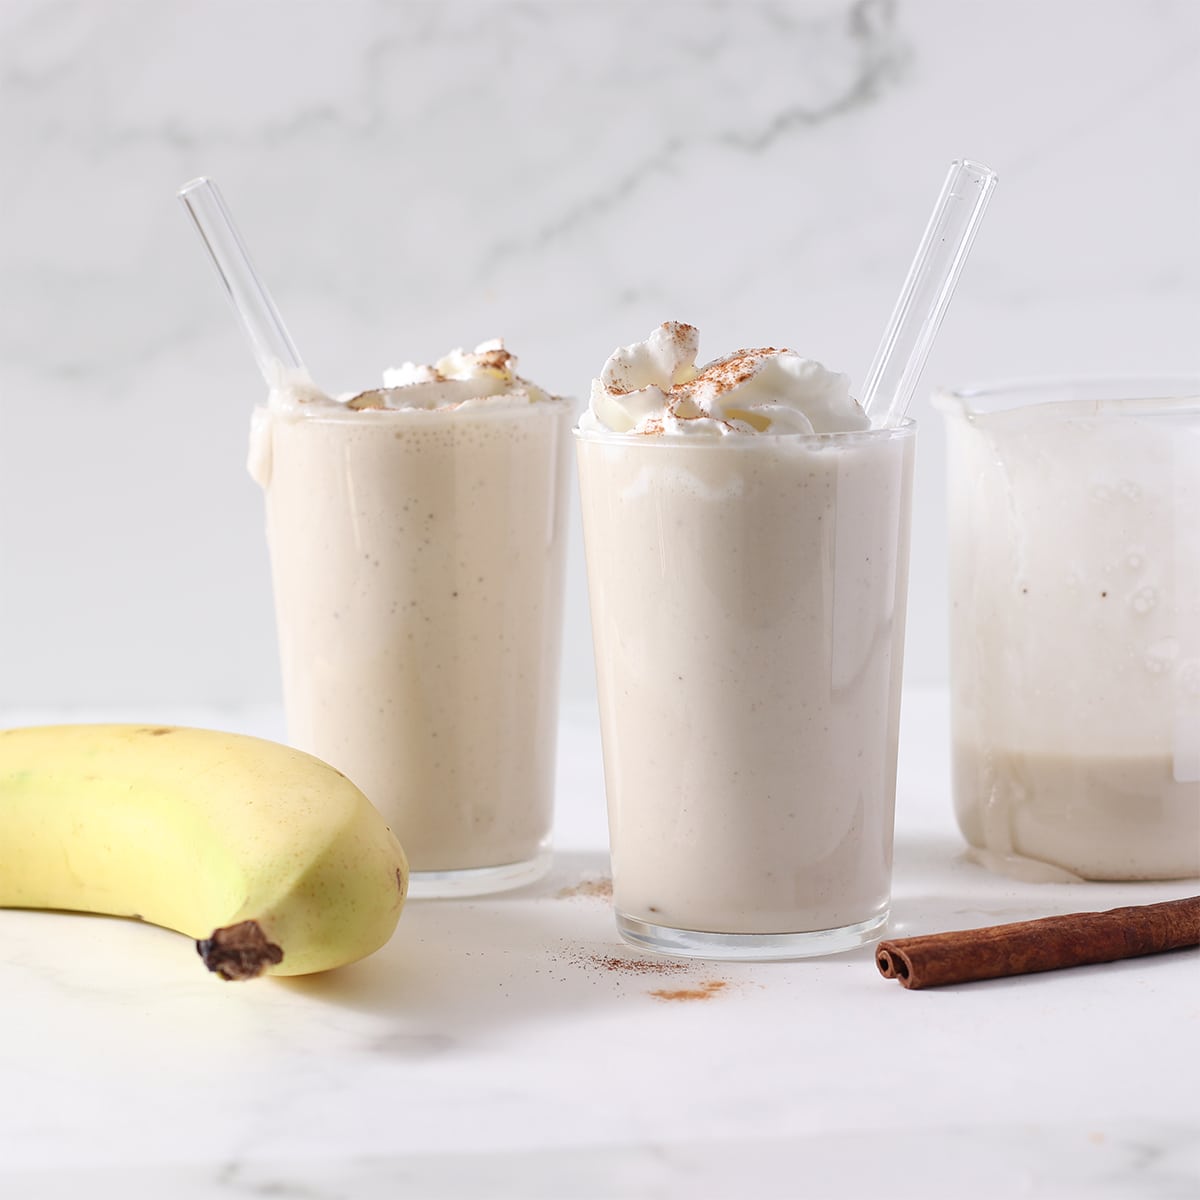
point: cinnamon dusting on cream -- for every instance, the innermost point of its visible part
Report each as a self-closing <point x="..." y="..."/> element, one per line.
<point x="654" y="388"/>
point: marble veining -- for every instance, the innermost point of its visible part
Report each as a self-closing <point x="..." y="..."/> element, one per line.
<point x="514" y="1047"/>
<point x="415" y="175"/>
<point x="861" y="41"/>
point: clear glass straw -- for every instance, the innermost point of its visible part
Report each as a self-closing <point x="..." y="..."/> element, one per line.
<point x="931" y="280"/>
<point x="273" y="348"/>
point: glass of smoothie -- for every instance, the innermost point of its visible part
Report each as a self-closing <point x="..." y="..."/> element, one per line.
<point x="746" y="534"/>
<point x="1075" y="626"/>
<point x="417" y="551"/>
<point x="417" y="541"/>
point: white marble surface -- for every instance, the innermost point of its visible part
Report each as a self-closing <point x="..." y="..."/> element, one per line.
<point x="486" y="1052"/>
<point x="415" y="175"/>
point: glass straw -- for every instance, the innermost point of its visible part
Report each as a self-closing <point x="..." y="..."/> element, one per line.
<point x="931" y="280"/>
<point x="273" y="348"/>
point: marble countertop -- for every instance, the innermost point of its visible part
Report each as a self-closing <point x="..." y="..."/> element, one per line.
<point x="514" y="1047"/>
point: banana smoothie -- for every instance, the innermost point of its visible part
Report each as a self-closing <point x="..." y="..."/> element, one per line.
<point x="417" y="551"/>
<point x="1075" y="627"/>
<point x="747" y="542"/>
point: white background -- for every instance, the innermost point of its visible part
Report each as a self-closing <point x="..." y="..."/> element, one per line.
<point x="413" y="176"/>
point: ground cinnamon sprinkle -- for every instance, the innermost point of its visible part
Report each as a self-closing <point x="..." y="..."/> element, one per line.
<point x="722" y="376"/>
<point x="634" y="966"/>
<point x="705" y="991"/>
<point x="601" y="888"/>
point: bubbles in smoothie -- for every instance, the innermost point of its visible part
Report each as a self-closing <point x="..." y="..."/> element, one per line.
<point x="1143" y="600"/>
<point x="1161" y="654"/>
<point x="1188" y="676"/>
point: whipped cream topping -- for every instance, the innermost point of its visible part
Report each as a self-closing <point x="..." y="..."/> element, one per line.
<point x="486" y="375"/>
<point x="655" y="388"/>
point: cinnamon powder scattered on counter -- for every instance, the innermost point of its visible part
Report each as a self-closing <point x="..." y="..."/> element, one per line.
<point x="706" y="991"/>
<point x="634" y="966"/>
<point x="619" y="965"/>
<point x="600" y="888"/>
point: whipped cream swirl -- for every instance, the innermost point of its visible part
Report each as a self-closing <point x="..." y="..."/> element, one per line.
<point x="486" y="375"/>
<point x="655" y="388"/>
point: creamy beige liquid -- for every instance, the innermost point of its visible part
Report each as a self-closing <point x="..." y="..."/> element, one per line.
<point x="748" y="614"/>
<point x="417" y="559"/>
<point x="1075" y="638"/>
<point x="1092" y="816"/>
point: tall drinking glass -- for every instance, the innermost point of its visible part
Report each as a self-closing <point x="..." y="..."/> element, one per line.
<point x="748" y="602"/>
<point x="417" y="558"/>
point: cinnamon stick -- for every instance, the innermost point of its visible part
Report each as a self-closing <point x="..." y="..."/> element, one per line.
<point x="1048" y="944"/>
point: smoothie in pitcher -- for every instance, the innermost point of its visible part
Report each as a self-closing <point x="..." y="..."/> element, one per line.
<point x="1075" y="626"/>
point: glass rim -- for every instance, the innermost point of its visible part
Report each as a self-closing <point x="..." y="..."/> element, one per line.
<point x="552" y="405"/>
<point x="1131" y="392"/>
<point x="905" y="428"/>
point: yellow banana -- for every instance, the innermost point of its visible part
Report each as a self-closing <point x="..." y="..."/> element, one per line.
<point x="274" y="861"/>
